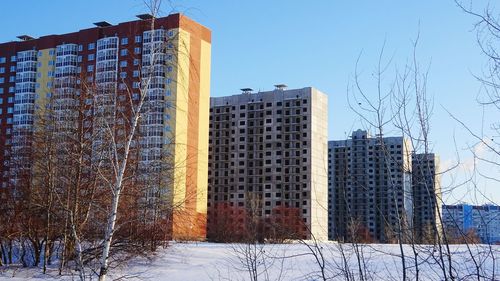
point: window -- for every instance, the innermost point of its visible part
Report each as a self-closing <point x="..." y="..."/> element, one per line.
<point x="124" y="41"/>
<point x="136" y="61"/>
<point x="13" y="59"/>
<point x="135" y="73"/>
<point x="40" y="53"/>
<point x="1" y="90"/>
<point x="9" y="110"/>
<point x="2" y="69"/>
<point x="2" y="80"/>
<point x="91" y="46"/>
<point x="91" y="57"/>
<point x="123" y="52"/>
<point x="123" y="63"/>
<point x="12" y="89"/>
<point x="13" y="68"/>
<point x="90" y="68"/>
<point x="137" y="50"/>
<point x="2" y="59"/>
<point x="79" y="58"/>
<point x="52" y="52"/>
<point x="51" y="62"/>
<point x="12" y="79"/>
<point x="135" y="85"/>
<point x="80" y="48"/>
<point x="138" y="39"/>
<point x="123" y="75"/>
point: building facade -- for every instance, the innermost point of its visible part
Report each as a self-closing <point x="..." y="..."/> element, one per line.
<point x="82" y="75"/>
<point x="427" y="198"/>
<point x="369" y="181"/>
<point x="464" y="219"/>
<point x="267" y="164"/>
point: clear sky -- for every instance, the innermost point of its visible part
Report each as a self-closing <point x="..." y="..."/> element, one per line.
<point x="260" y="43"/>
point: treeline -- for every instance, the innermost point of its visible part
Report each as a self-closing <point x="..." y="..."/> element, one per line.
<point x="62" y="175"/>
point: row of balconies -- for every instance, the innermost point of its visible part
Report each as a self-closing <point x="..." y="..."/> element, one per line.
<point x="70" y="60"/>
<point x="107" y="43"/>
<point x="27" y="68"/>
<point x="68" y="105"/>
<point x="62" y="53"/>
<point x="157" y="35"/>
<point x="66" y="71"/>
<point x="107" y="57"/>
<point x="66" y="49"/>
<point x="66" y="82"/>
<point x="24" y="109"/>
<point x="22" y="122"/>
<point x="24" y="56"/>
<point x="24" y="99"/>
<point x="25" y="88"/>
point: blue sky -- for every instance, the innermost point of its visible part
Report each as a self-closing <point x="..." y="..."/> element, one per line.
<point x="260" y="43"/>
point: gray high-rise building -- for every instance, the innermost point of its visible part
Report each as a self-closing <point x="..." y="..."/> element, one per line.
<point x="268" y="164"/>
<point x="369" y="187"/>
<point x="426" y="196"/>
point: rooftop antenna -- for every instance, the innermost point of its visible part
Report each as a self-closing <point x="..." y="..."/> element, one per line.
<point x="280" y="87"/>
<point x="102" y="24"/>
<point x="25" y="37"/>
<point x="246" y="90"/>
<point x="145" y="16"/>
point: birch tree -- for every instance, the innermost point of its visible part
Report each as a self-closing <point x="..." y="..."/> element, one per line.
<point x="118" y="133"/>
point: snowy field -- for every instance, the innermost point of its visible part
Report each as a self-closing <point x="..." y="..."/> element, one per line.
<point x="209" y="261"/>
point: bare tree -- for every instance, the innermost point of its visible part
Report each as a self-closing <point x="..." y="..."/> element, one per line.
<point x="113" y="157"/>
<point x="488" y="33"/>
<point x="373" y="107"/>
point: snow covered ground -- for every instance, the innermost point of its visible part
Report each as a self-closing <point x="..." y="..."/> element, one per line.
<point x="209" y="261"/>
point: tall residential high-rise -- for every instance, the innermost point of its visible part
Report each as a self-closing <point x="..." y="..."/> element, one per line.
<point x="426" y="196"/>
<point x="369" y="187"/>
<point x="268" y="164"/>
<point x="86" y="74"/>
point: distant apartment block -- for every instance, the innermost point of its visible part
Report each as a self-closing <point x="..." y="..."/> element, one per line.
<point x="268" y="164"/>
<point x="426" y="196"/>
<point x="370" y="190"/>
<point x="462" y="219"/>
<point x="49" y="73"/>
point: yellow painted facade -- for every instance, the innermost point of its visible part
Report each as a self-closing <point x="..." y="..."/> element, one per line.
<point x="190" y="129"/>
<point x="43" y="79"/>
<point x="203" y="127"/>
<point x="180" y="116"/>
